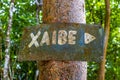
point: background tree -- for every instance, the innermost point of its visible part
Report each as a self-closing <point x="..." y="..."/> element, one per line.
<point x="106" y="37"/>
<point x="8" y="45"/>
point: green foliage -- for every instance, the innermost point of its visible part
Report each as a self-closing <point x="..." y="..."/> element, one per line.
<point x="25" y="15"/>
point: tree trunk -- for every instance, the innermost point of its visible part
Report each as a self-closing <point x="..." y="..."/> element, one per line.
<point x="7" y="50"/>
<point x="107" y="32"/>
<point x="38" y="8"/>
<point x="63" y="11"/>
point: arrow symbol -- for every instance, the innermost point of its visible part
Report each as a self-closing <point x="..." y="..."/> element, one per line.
<point x="88" y="38"/>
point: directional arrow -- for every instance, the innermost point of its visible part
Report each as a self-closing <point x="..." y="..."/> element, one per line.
<point x="88" y="38"/>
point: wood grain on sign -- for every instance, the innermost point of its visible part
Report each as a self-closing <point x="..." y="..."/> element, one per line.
<point x="60" y="41"/>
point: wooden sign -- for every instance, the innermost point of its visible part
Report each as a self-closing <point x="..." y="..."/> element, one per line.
<point x="60" y="41"/>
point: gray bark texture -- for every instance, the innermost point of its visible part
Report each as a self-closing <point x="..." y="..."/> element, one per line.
<point x="63" y="11"/>
<point x="38" y="8"/>
<point x="7" y="51"/>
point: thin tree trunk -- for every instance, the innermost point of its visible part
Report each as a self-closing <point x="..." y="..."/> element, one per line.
<point x="106" y="29"/>
<point x="39" y="4"/>
<point x="7" y="51"/>
<point x="64" y="11"/>
<point x="38" y="8"/>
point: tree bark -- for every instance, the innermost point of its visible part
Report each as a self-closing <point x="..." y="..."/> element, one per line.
<point x="63" y="11"/>
<point x="7" y="51"/>
<point x="107" y="31"/>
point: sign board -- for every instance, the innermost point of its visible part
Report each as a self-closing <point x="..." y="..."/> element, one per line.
<point x="62" y="41"/>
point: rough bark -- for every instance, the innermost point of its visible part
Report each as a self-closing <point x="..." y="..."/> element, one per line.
<point x="7" y="51"/>
<point x="106" y="29"/>
<point x="63" y="11"/>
